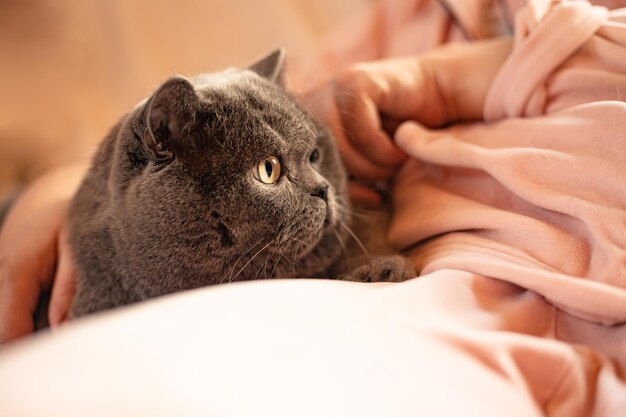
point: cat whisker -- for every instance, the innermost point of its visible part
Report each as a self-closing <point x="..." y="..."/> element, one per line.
<point x="309" y="245"/>
<point x="232" y="269"/>
<point x="282" y="255"/>
<point x="343" y="130"/>
<point x="295" y="256"/>
<point x="301" y="245"/>
<point x="274" y="268"/>
<point x="310" y="131"/>
<point x="250" y="260"/>
<point x="343" y="248"/>
<point x="357" y="240"/>
<point x="263" y="266"/>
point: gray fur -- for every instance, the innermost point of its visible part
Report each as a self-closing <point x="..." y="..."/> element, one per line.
<point x="173" y="202"/>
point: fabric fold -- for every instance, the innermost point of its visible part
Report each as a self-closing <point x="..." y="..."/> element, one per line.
<point x="536" y="202"/>
<point x="544" y="38"/>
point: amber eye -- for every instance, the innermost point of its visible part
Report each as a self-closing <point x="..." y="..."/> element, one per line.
<point x="269" y="170"/>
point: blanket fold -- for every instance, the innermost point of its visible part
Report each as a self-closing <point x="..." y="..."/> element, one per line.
<point x="536" y="201"/>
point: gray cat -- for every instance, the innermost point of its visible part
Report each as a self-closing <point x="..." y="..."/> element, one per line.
<point x="214" y="179"/>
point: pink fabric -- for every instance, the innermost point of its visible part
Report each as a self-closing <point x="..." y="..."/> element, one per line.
<point x="393" y="28"/>
<point x="450" y="343"/>
<point x="533" y="204"/>
<point x="518" y="228"/>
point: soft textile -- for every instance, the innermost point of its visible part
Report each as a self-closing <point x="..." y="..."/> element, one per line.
<point x="518" y="228"/>
<point x="294" y="348"/>
<point x="536" y="199"/>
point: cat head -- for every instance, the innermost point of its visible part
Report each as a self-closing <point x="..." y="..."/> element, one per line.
<point x="225" y="177"/>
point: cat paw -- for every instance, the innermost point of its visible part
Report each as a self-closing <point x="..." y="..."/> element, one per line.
<point x="393" y="268"/>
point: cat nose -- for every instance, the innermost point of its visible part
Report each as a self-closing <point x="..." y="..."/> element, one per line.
<point x="321" y="192"/>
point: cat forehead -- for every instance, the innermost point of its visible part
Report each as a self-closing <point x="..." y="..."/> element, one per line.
<point x="244" y="103"/>
<point x="235" y="84"/>
<point x="220" y="80"/>
<point x="240" y="88"/>
<point x="244" y="92"/>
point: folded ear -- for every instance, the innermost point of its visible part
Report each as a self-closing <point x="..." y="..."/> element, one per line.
<point x="271" y="66"/>
<point x="168" y="115"/>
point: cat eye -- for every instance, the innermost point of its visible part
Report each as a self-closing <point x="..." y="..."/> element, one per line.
<point x="315" y="155"/>
<point x="269" y="170"/>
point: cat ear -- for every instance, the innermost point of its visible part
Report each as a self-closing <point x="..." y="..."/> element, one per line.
<point x="167" y="116"/>
<point x="271" y="66"/>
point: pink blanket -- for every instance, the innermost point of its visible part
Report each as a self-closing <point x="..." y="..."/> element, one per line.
<point x="517" y="226"/>
<point x="533" y="204"/>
